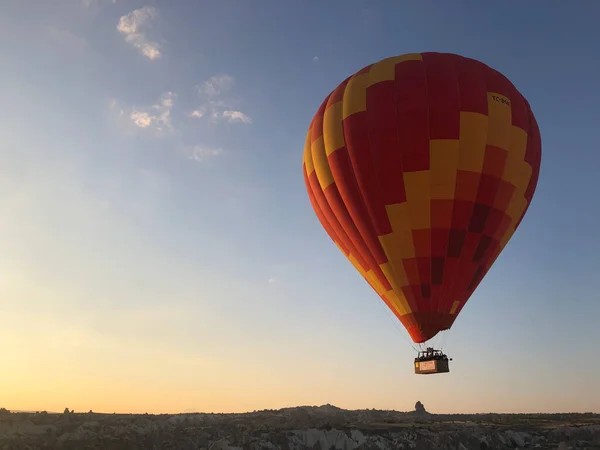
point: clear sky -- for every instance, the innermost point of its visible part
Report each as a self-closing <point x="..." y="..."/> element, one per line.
<point x="158" y="252"/>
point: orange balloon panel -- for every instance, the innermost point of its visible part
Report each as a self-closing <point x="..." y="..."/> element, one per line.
<point x="420" y="168"/>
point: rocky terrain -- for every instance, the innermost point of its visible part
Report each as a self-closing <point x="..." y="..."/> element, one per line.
<point x="317" y="428"/>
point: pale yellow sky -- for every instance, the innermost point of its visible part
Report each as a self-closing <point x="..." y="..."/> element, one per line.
<point x="50" y="362"/>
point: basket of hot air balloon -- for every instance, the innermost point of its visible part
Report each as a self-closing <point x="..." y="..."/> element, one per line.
<point x="431" y="361"/>
<point x="420" y="168"/>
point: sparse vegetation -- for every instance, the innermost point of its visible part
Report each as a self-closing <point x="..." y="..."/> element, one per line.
<point x="297" y="429"/>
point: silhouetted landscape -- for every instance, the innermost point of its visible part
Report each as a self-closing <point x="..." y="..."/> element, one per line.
<point x="305" y="427"/>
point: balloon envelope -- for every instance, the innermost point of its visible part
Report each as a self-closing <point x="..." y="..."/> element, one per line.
<point x="420" y="168"/>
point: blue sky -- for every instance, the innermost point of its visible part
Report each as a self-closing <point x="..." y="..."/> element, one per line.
<point x="159" y="251"/>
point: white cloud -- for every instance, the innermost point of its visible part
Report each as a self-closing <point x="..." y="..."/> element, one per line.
<point x="158" y="120"/>
<point x="273" y="280"/>
<point x="119" y="117"/>
<point x="200" y="153"/>
<point x="167" y="100"/>
<point x="236" y="116"/>
<point x="216" y="85"/>
<point x="132" y="22"/>
<point x="217" y="108"/>
<point x="315" y="58"/>
<point x="158" y="117"/>
<point x="196" y="114"/>
<point x="141" y="119"/>
<point x="132" y="26"/>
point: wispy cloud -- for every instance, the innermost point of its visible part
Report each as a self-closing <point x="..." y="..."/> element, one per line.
<point x="236" y="116"/>
<point x="315" y="58"/>
<point x="158" y="116"/>
<point x="160" y="121"/>
<point x="217" y="106"/>
<point x="196" y="113"/>
<point x="114" y="105"/>
<point x="132" y="25"/>
<point x="157" y="120"/>
<point x="216" y="85"/>
<point x="200" y="153"/>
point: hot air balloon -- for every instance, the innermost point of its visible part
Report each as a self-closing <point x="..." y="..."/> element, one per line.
<point x="420" y="168"/>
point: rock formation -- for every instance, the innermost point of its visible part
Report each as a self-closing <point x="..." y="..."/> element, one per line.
<point x="419" y="408"/>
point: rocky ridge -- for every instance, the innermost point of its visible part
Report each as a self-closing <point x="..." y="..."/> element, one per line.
<point x="308" y="427"/>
